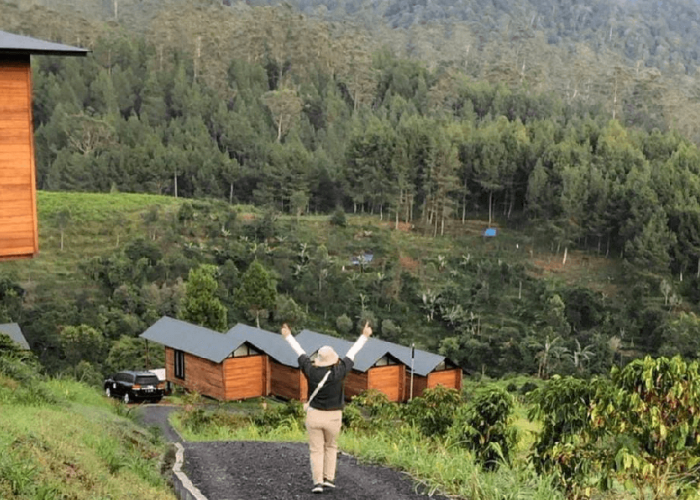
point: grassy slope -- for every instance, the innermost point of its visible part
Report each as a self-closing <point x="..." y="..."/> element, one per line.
<point x="75" y="446"/>
<point x="97" y="221"/>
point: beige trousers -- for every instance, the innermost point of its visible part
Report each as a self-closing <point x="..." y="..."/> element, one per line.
<point x="323" y="428"/>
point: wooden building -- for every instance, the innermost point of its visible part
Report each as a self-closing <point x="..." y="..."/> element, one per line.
<point x="286" y="379"/>
<point x="375" y="367"/>
<point x="248" y="362"/>
<point x="18" y="212"/>
<point x="386" y="366"/>
<point x="222" y="366"/>
<point x="429" y="370"/>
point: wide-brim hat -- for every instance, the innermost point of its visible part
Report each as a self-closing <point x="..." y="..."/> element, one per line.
<point x="326" y="356"/>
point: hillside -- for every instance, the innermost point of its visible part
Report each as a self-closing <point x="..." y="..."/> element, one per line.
<point x="214" y="107"/>
<point x="491" y="305"/>
<point x="62" y="439"/>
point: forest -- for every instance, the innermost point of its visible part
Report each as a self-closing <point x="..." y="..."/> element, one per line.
<point x="218" y="107"/>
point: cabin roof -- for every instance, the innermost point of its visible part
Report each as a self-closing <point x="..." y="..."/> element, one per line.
<point x="423" y="363"/>
<point x="364" y="360"/>
<point x="193" y="339"/>
<point x="216" y="347"/>
<point x="272" y="344"/>
<point x="15" y="333"/>
<point x="19" y="44"/>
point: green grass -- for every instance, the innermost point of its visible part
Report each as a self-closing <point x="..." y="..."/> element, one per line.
<point x="433" y="465"/>
<point x="70" y="443"/>
<point x="99" y="207"/>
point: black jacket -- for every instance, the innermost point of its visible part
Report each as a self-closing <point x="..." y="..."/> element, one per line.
<point x="332" y="394"/>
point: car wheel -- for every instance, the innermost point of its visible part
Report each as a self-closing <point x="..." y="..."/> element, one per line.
<point x="127" y="398"/>
<point x="156" y="400"/>
<point x="108" y="392"/>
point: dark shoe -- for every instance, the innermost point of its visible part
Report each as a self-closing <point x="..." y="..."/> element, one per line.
<point x="318" y="488"/>
<point x="327" y="483"/>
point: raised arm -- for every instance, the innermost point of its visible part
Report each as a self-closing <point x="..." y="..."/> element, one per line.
<point x="287" y="334"/>
<point x="360" y="343"/>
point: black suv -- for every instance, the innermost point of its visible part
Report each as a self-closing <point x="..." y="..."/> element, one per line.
<point x="132" y="386"/>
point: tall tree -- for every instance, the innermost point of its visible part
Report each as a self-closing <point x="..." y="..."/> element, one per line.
<point x="257" y="293"/>
<point x="201" y="304"/>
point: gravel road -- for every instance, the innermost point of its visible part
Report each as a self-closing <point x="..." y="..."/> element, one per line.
<point x="240" y="470"/>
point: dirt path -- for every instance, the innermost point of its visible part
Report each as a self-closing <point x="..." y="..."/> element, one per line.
<point x="241" y="470"/>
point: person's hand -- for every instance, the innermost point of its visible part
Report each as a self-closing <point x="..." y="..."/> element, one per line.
<point x="367" y="330"/>
<point x="286" y="332"/>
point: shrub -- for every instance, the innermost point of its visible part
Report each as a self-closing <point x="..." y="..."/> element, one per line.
<point x="338" y="218"/>
<point x="371" y="409"/>
<point x="484" y="426"/>
<point x="433" y="412"/>
<point x="279" y="415"/>
<point x="527" y="387"/>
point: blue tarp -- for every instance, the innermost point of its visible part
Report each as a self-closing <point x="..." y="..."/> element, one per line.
<point x="490" y="232"/>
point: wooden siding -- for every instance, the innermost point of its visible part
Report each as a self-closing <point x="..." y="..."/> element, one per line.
<point x="201" y="375"/>
<point x="448" y="378"/>
<point x="245" y="377"/>
<point x="18" y="216"/>
<point x="389" y="380"/>
<point x="419" y="385"/>
<point x="288" y="382"/>
<point x="355" y="383"/>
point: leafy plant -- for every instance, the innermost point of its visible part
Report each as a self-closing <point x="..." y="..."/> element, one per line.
<point x="433" y="412"/>
<point x="484" y="425"/>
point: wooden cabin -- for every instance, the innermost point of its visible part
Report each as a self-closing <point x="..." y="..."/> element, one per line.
<point x="286" y="379"/>
<point x="425" y="370"/>
<point x="18" y="212"/>
<point x="386" y="366"/>
<point x="221" y="366"/>
<point x="375" y="367"/>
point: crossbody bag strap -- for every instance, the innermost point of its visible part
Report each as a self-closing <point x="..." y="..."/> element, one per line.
<point x="318" y="388"/>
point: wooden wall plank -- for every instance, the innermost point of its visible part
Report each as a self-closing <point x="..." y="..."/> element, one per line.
<point x="355" y="383"/>
<point x="419" y="385"/>
<point x="448" y="378"/>
<point x="201" y="375"/>
<point x="244" y="377"/>
<point x="287" y="382"/>
<point x="18" y="176"/>
<point x="387" y="379"/>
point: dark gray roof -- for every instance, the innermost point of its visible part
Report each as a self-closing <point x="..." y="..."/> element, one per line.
<point x="18" y="44"/>
<point x="193" y="339"/>
<point x="423" y="363"/>
<point x="270" y="343"/>
<point x="15" y="333"/>
<point x="365" y="359"/>
<point x="216" y="347"/>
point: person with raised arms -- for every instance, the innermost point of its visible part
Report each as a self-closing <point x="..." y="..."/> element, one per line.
<point x="324" y="408"/>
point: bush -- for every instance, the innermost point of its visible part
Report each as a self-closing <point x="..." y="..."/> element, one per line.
<point x="371" y="409"/>
<point x="527" y="387"/>
<point x="484" y="426"/>
<point x="279" y="415"/>
<point x="338" y="218"/>
<point x="433" y="412"/>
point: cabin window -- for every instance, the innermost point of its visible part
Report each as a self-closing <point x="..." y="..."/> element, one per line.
<point x="179" y="364"/>
<point x="385" y="361"/>
<point x="245" y="350"/>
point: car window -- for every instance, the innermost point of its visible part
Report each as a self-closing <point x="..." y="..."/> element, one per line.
<point x="147" y="380"/>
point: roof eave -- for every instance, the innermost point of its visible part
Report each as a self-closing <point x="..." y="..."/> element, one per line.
<point x="40" y="52"/>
